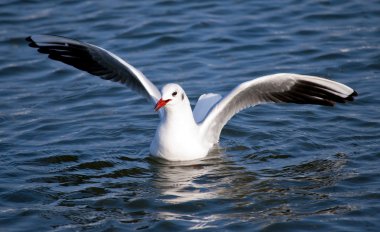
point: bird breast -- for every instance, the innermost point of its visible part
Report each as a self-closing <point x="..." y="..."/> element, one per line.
<point x="178" y="142"/>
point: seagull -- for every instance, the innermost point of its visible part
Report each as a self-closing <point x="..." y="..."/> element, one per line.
<point x="184" y="134"/>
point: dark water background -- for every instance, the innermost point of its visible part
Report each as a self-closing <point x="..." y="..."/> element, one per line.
<point x="74" y="149"/>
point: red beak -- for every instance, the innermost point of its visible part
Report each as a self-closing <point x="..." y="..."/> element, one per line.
<point x="161" y="103"/>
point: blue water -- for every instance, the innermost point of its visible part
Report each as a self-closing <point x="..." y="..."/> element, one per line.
<point x="74" y="148"/>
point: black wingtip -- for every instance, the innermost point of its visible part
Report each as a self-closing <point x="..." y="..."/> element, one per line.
<point x="351" y="96"/>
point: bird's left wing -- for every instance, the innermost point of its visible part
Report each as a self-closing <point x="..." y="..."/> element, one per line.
<point x="277" y="88"/>
<point x="95" y="60"/>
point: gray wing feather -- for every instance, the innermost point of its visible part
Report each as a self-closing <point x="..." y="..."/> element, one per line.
<point x="96" y="61"/>
<point x="277" y="88"/>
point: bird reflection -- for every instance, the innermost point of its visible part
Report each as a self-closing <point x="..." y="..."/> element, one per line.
<point x="186" y="181"/>
<point x="275" y="191"/>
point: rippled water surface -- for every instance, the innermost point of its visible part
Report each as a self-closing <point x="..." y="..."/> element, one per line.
<point x="74" y="148"/>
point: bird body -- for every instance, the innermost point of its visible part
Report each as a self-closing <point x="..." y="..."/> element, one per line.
<point x="183" y="134"/>
<point x="177" y="132"/>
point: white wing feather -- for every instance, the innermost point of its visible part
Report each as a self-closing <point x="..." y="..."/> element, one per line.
<point x="204" y="104"/>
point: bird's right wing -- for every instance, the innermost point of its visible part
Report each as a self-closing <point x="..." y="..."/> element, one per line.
<point x="95" y="60"/>
<point x="277" y="88"/>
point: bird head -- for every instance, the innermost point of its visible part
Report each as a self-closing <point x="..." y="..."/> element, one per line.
<point x="171" y="95"/>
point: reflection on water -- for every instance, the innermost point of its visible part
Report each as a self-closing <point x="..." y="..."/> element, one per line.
<point x="178" y="183"/>
<point x="217" y="190"/>
<point x="274" y="195"/>
<point x="208" y="178"/>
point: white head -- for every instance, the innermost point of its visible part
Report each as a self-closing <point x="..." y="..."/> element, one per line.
<point x="171" y="95"/>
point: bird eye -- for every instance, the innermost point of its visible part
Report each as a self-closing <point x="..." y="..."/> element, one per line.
<point x="174" y="93"/>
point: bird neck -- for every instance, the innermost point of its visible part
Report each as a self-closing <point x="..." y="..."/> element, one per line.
<point x="180" y="114"/>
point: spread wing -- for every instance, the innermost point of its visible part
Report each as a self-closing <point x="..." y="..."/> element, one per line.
<point x="96" y="61"/>
<point x="277" y="88"/>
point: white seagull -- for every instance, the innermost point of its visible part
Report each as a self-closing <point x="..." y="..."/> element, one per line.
<point x="186" y="134"/>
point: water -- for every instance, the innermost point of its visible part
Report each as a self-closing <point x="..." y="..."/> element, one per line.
<point x="74" y="148"/>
